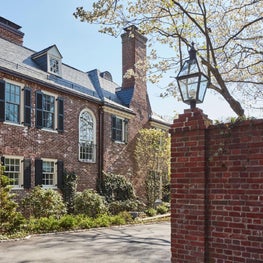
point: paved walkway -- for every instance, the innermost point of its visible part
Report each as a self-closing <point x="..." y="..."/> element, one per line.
<point x="148" y="243"/>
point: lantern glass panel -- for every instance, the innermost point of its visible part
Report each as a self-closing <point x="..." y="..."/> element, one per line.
<point x="189" y="88"/>
<point x="189" y="67"/>
<point x="202" y="88"/>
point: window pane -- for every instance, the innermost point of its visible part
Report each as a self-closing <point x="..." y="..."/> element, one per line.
<point x="12" y="103"/>
<point x="86" y="137"/>
<point x="48" y="111"/>
<point x="48" y="173"/>
<point x="12" y="170"/>
<point x="117" y="129"/>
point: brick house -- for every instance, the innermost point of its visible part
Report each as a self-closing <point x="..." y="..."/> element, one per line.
<point x="55" y="117"/>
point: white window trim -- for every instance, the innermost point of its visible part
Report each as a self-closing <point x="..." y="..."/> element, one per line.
<point x="94" y="136"/>
<point x="59" y="65"/>
<point x="55" y="112"/>
<point x="123" y="130"/>
<point x="21" y="169"/>
<point x="21" y="106"/>
<point x="54" y="186"/>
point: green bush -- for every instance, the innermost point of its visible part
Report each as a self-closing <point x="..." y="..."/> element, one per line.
<point x="126" y="216"/>
<point x="10" y="218"/>
<point x="162" y="209"/>
<point x="69" y="187"/>
<point x="129" y="205"/>
<point x="117" y="188"/>
<point x="89" y="203"/>
<point x="43" y="203"/>
<point x="42" y="225"/>
<point x="67" y="222"/>
<point x="151" y="212"/>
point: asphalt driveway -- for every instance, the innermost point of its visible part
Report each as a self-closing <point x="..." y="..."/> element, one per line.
<point x="130" y="244"/>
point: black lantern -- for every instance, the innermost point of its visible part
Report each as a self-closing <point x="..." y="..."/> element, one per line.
<point x="192" y="81"/>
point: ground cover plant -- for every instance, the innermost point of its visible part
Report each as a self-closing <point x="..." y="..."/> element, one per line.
<point x="46" y="210"/>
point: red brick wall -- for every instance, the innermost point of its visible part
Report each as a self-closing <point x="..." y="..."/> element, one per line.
<point x="36" y="143"/>
<point x="216" y="190"/>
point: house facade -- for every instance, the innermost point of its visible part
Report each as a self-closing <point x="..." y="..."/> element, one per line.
<point x="54" y="117"/>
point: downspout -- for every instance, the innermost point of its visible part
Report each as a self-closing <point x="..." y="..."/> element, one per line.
<point x="100" y="150"/>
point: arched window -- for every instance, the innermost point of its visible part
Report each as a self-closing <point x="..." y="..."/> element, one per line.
<point x="87" y="147"/>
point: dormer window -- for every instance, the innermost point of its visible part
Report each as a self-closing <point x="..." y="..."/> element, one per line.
<point x="54" y="65"/>
<point x="49" y="60"/>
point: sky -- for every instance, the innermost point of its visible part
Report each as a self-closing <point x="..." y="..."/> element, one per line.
<point x="49" y="22"/>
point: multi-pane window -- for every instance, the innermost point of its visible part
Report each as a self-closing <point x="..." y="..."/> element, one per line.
<point x="86" y="137"/>
<point x="48" y="111"/>
<point x="48" y="173"/>
<point x="119" y="129"/>
<point x="13" y="171"/>
<point x="15" y="103"/>
<point x="12" y="103"/>
<point x="54" y="65"/>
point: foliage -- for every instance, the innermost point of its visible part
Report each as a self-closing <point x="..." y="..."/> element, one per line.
<point x="10" y="218"/>
<point x="89" y="203"/>
<point x="43" y="203"/>
<point x="117" y="188"/>
<point x="116" y="207"/>
<point x="152" y="153"/>
<point x="227" y="35"/>
<point x="151" y="212"/>
<point x="69" y="190"/>
<point x="162" y="209"/>
<point x="71" y="222"/>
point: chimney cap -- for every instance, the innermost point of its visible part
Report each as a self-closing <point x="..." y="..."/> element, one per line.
<point x="9" y="23"/>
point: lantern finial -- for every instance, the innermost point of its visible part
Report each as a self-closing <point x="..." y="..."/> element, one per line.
<point x="192" y="52"/>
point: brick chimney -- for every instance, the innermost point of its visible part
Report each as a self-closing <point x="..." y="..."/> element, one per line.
<point x="11" y="31"/>
<point x="133" y="50"/>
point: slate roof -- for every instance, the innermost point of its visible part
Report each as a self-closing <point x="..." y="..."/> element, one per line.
<point x="94" y="85"/>
<point x="125" y="95"/>
<point x="18" y="59"/>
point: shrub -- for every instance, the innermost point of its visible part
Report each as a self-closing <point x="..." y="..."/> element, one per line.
<point x="129" y="205"/>
<point x="126" y="216"/>
<point x="151" y="212"/>
<point x="69" y="190"/>
<point x="68" y="222"/>
<point x="10" y="218"/>
<point x="43" y="225"/>
<point x="162" y="209"/>
<point x="89" y="203"/>
<point x="43" y="203"/>
<point x="117" y="188"/>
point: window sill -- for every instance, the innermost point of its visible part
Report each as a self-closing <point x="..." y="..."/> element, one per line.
<point x="49" y="130"/>
<point x="119" y="142"/>
<point x="14" y="124"/>
<point x="15" y="188"/>
<point x="49" y="187"/>
<point x="87" y="161"/>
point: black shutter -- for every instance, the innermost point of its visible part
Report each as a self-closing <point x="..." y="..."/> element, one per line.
<point x="2" y="160"/>
<point x="126" y="131"/>
<point x="38" y="172"/>
<point x="27" y="173"/>
<point x="39" y="109"/>
<point x="27" y="106"/>
<point x="60" y="117"/>
<point x="2" y="100"/>
<point x="113" y="127"/>
<point x="60" y="173"/>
